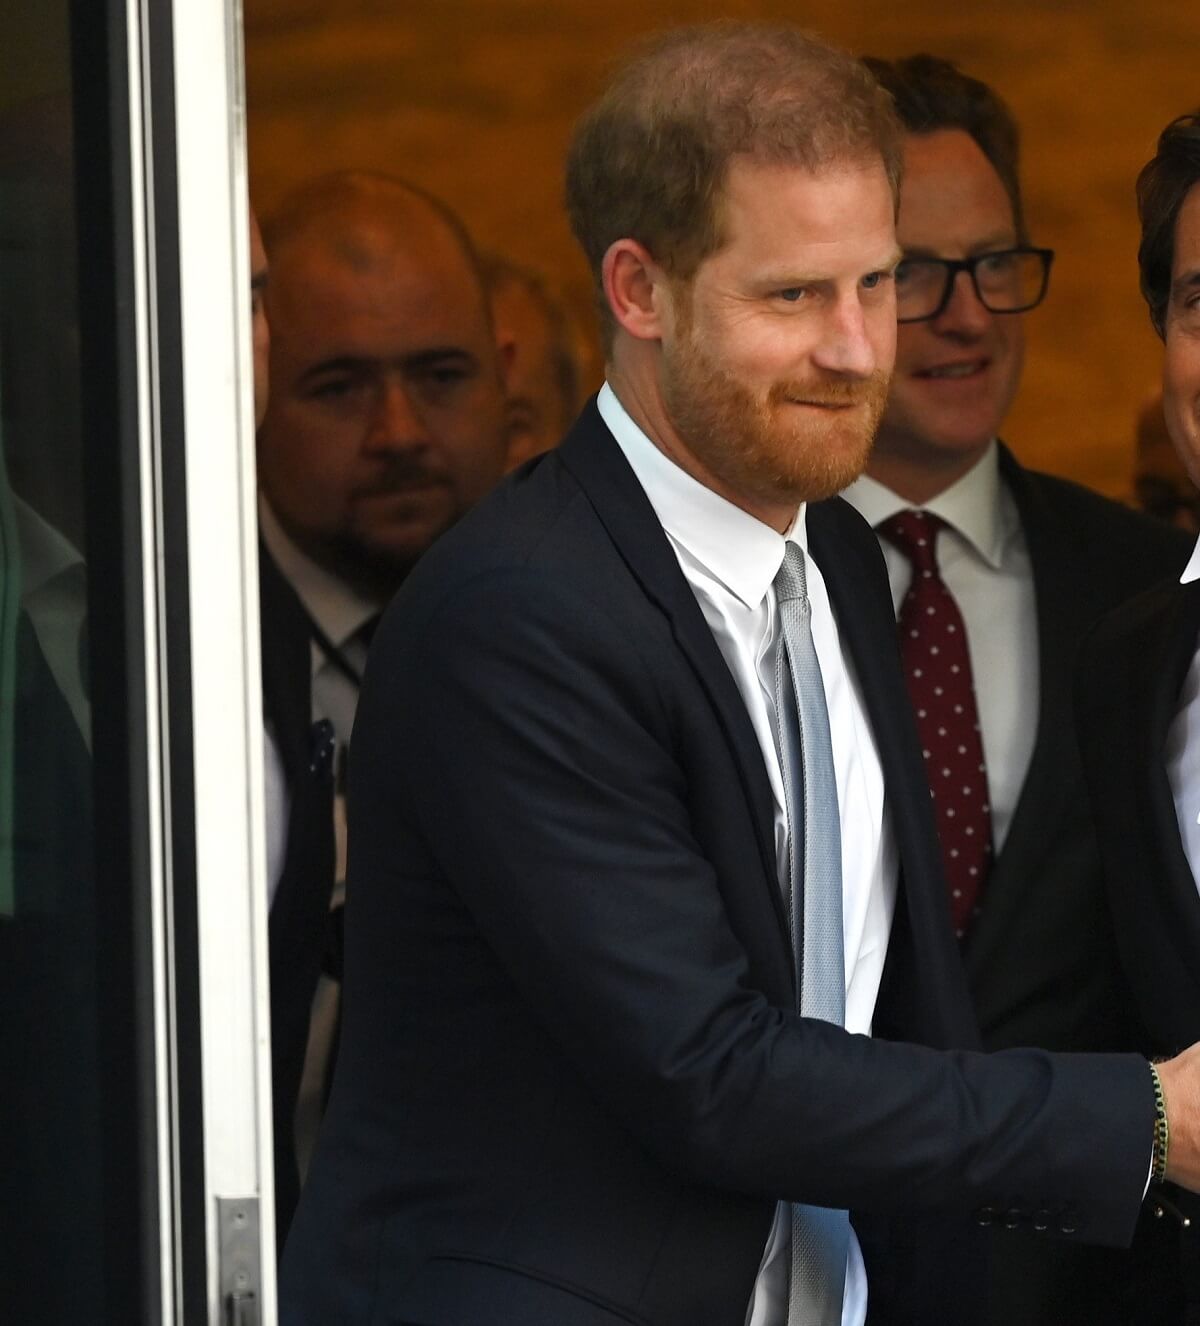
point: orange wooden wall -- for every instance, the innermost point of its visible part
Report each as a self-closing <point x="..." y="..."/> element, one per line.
<point x="475" y="98"/>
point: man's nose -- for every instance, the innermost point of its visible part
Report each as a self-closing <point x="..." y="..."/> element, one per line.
<point x="397" y="422"/>
<point x="965" y="313"/>
<point x="847" y="347"/>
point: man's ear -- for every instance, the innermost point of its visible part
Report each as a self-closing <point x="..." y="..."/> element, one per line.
<point x="634" y="286"/>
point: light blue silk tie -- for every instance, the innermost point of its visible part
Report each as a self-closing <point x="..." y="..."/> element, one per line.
<point x="820" y="1237"/>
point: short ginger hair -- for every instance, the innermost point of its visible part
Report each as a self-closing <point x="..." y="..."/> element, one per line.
<point x="649" y="160"/>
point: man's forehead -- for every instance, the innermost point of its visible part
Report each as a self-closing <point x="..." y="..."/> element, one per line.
<point x="951" y="191"/>
<point x="1187" y="235"/>
<point x="373" y="247"/>
<point x="390" y="287"/>
<point x="783" y="208"/>
<point x="746" y="175"/>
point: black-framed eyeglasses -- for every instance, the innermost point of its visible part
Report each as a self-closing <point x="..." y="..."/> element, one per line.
<point x="1005" y="281"/>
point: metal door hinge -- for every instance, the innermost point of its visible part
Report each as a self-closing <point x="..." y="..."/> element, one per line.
<point x="240" y="1260"/>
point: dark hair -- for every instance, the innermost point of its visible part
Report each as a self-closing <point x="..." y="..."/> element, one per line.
<point x="931" y="93"/>
<point x="649" y="160"/>
<point x="1164" y="183"/>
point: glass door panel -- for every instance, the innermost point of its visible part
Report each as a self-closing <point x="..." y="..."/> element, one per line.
<point x="134" y="1071"/>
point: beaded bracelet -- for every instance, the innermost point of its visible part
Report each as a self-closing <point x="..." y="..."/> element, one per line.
<point x="1162" y="1133"/>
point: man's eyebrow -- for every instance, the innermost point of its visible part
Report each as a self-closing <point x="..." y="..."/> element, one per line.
<point x="1186" y="282"/>
<point x="415" y="362"/>
<point x="438" y="354"/>
<point x="338" y="364"/>
<point x="992" y="244"/>
<point x="785" y="279"/>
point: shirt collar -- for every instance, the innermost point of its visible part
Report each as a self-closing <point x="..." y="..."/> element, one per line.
<point x="1192" y="570"/>
<point x="733" y="546"/>
<point x="972" y="505"/>
<point x="336" y="608"/>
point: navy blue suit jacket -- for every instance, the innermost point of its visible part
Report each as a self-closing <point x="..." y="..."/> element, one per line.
<point x="571" y="1087"/>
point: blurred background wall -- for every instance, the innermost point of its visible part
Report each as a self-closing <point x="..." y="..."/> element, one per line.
<point x="474" y="99"/>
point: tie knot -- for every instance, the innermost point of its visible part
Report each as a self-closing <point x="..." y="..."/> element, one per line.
<point x="791" y="580"/>
<point x="915" y="534"/>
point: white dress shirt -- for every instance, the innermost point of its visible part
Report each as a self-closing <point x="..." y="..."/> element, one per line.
<point x="730" y="560"/>
<point x="338" y="610"/>
<point x="1183" y="746"/>
<point x="985" y="565"/>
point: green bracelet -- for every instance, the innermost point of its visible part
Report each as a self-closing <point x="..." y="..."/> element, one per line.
<point x="1162" y="1133"/>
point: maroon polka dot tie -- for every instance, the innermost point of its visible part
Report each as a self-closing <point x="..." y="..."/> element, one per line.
<point x="937" y="666"/>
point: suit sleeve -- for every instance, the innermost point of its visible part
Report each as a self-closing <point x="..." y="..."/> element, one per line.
<point x="534" y="744"/>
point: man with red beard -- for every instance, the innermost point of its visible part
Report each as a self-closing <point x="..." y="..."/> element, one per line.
<point x="997" y="573"/>
<point x="644" y="887"/>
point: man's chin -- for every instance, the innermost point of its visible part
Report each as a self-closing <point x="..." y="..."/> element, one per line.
<point x="827" y="473"/>
<point x="377" y="563"/>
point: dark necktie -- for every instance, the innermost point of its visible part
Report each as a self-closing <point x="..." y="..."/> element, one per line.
<point x="937" y="667"/>
<point x="349" y="658"/>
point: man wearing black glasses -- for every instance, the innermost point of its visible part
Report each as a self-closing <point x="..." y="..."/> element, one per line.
<point x="997" y="573"/>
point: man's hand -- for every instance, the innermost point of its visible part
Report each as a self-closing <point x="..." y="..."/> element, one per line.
<point x="1180" y="1079"/>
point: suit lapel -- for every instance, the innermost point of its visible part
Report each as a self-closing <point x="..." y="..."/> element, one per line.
<point x="596" y="461"/>
<point x="1160" y="663"/>
<point x="922" y="955"/>
<point x="1136" y="670"/>
<point x="1161" y="660"/>
<point x="1060" y="623"/>
<point x="869" y="636"/>
<point x="286" y="665"/>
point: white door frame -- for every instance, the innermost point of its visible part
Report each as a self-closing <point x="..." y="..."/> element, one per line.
<point x="226" y="729"/>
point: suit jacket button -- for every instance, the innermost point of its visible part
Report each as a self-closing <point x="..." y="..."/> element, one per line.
<point x="985" y="1215"/>
<point x="1041" y="1220"/>
<point x="1013" y="1217"/>
<point x="1068" y="1221"/>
